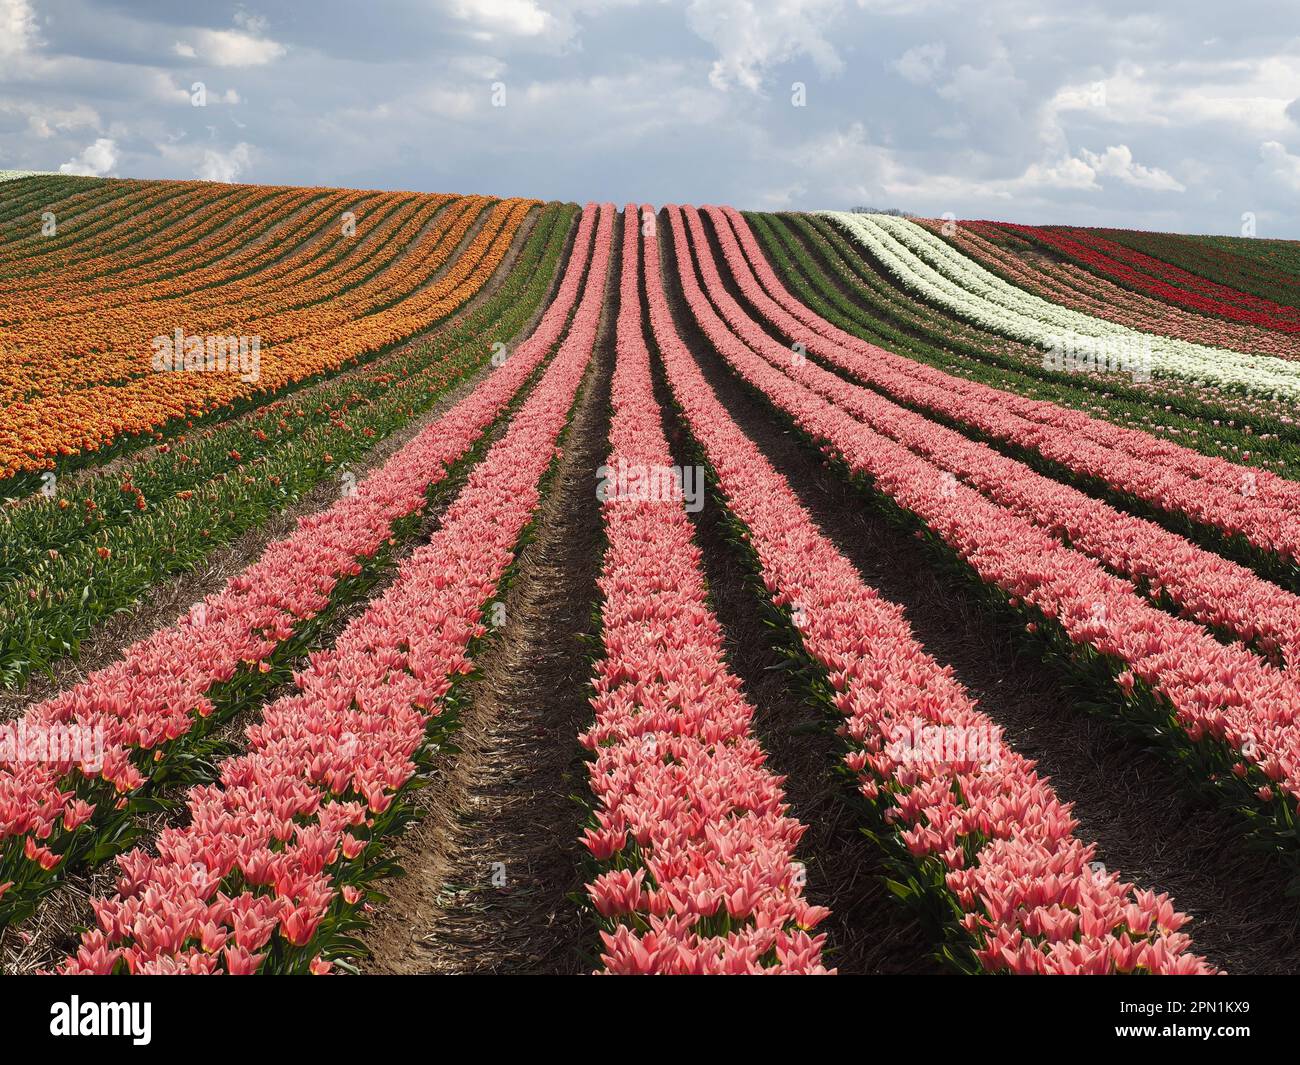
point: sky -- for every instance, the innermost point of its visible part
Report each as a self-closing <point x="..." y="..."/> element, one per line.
<point x="1181" y="116"/>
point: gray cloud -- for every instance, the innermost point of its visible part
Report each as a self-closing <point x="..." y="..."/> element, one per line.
<point x="1160" y="115"/>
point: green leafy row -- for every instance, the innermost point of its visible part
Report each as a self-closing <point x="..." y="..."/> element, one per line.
<point x="68" y="562"/>
<point x="814" y="261"/>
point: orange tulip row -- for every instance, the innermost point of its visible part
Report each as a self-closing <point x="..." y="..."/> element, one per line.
<point x="197" y="248"/>
<point x="205" y="234"/>
<point x="299" y="248"/>
<point x="102" y="208"/>
<point x="112" y="233"/>
<point x="330" y="317"/>
<point x="116" y="344"/>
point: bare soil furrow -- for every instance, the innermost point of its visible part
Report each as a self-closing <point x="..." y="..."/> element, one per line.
<point x="1149" y="819"/>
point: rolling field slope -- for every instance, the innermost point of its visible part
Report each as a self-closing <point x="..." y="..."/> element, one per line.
<point x="671" y="590"/>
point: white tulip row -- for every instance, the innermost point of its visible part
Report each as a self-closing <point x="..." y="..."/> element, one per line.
<point x="11" y="175"/>
<point x="938" y="273"/>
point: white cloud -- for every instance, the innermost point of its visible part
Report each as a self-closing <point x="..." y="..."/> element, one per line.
<point x="162" y="88"/>
<point x="243" y="47"/>
<point x="246" y="20"/>
<point x="46" y="123"/>
<point x="224" y="166"/>
<point x="921" y="65"/>
<point x="1065" y="174"/>
<point x="1117" y="162"/>
<point x="750" y="36"/>
<point x="519" y="18"/>
<point x="96" y="160"/>
<point x="1251" y="95"/>
<point x="1280" y="165"/>
<point x="18" y="33"/>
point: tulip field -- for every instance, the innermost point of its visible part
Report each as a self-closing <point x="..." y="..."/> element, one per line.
<point x="402" y="582"/>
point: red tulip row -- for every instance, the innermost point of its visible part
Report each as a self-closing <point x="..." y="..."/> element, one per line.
<point x="1070" y="285"/>
<point x="1258" y="267"/>
<point x="1211" y="589"/>
<point x="1160" y="279"/>
<point x="1237" y="710"/>
<point x="980" y="828"/>
<point x="143" y="707"/>
<point x="691" y="829"/>
<point x="1236" y="501"/>
<point x="1187" y="279"/>
<point x="269" y="873"/>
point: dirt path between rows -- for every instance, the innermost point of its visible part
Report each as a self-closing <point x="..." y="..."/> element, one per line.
<point x="494" y="863"/>
<point x="1147" y="817"/>
<point x="43" y="940"/>
<point x="166" y="601"/>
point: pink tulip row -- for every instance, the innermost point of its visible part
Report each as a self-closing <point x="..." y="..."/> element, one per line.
<point x="1072" y="286"/>
<point x="1244" y="709"/>
<point x="1032" y="898"/>
<point x="691" y="829"/>
<point x="274" y="852"/>
<point x="147" y="702"/>
<point x="1214" y="591"/>
<point x="1235" y="500"/>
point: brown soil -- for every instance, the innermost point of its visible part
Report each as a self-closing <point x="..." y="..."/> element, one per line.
<point x="1147" y="817"/>
<point x="166" y="601"/>
<point x="867" y="932"/>
<point x="43" y="940"/>
<point x="494" y="862"/>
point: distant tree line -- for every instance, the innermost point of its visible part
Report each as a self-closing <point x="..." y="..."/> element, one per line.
<point x="881" y="210"/>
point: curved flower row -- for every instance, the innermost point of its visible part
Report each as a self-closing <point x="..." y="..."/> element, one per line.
<point x="210" y="283"/>
<point x="828" y="272"/>
<point x="1259" y="266"/>
<point x="295" y="296"/>
<point x="65" y="423"/>
<point x="115" y="348"/>
<point x="1203" y="585"/>
<point x="939" y="274"/>
<point x="98" y="232"/>
<point x="271" y="862"/>
<point x="152" y="698"/>
<point x="197" y="228"/>
<point x="202" y="228"/>
<point x="292" y="242"/>
<point x="691" y="828"/>
<point x="1256" y="505"/>
<point x="1238" y="710"/>
<point x="988" y="833"/>
<point x="1169" y="282"/>
<point x="204" y="489"/>
<point x="196" y="232"/>
<point x="1072" y="286"/>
